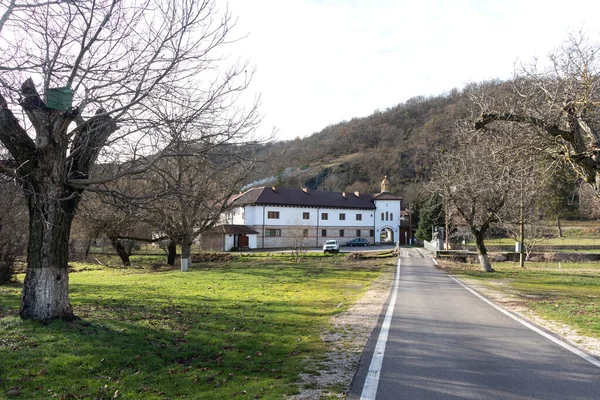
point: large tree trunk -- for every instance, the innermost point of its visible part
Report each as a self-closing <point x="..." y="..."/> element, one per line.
<point x="120" y="249"/>
<point x="186" y="253"/>
<point x="45" y="167"/>
<point x="46" y="287"/>
<point x="171" y="253"/>
<point x="87" y="246"/>
<point x="482" y="252"/>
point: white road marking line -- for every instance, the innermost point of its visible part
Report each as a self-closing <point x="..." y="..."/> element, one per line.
<point x="372" y="380"/>
<point x="559" y="342"/>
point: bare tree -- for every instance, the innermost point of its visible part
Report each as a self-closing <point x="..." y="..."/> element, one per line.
<point x="185" y="192"/>
<point x="298" y="238"/>
<point x="539" y="190"/>
<point x="475" y="179"/>
<point x="98" y="219"/>
<point x="559" y="106"/>
<point x="120" y="58"/>
<point x="194" y="193"/>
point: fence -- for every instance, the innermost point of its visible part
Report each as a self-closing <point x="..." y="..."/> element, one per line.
<point x="433" y="246"/>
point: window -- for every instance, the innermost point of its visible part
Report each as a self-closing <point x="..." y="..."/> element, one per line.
<point x="324" y="232"/>
<point x="305" y="233"/>
<point x="273" y="215"/>
<point x="324" y="216"/>
<point x="371" y="233"/>
<point x="341" y="233"/>
<point x="359" y="217"/>
<point x="305" y="215"/>
<point x="387" y="216"/>
<point x="342" y="217"/>
<point x="358" y="233"/>
<point x="382" y="216"/>
<point x="391" y="216"/>
<point x="272" y="232"/>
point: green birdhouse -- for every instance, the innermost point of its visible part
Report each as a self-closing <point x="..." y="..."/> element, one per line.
<point x="59" y="98"/>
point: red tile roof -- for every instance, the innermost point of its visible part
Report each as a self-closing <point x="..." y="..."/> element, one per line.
<point x="231" y="229"/>
<point x="385" y="196"/>
<point x="309" y="198"/>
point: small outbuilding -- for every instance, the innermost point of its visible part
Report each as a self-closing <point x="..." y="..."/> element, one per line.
<point x="228" y="237"/>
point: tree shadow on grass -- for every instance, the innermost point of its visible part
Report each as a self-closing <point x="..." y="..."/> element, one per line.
<point x="218" y="350"/>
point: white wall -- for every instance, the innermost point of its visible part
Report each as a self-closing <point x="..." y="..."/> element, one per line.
<point x="392" y="207"/>
<point x="289" y="216"/>
<point x="228" y="242"/>
<point x="237" y="217"/>
<point x="253" y="241"/>
<point x="293" y="217"/>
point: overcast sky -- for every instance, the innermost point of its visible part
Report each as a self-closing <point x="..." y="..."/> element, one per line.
<point x="319" y="62"/>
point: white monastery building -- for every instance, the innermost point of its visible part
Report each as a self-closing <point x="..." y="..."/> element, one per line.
<point x="271" y="217"/>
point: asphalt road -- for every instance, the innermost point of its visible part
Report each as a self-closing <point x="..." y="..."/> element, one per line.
<point x="445" y="343"/>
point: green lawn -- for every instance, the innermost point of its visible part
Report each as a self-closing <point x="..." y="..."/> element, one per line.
<point x="565" y="292"/>
<point x="241" y="329"/>
<point x="564" y="241"/>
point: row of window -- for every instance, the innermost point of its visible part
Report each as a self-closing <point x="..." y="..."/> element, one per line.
<point x="277" y="232"/>
<point x="306" y="215"/>
<point x="388" y="216"/>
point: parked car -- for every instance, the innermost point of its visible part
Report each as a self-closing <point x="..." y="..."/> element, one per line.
<point x="357" y="242"/>
<point x="331" y="246"/>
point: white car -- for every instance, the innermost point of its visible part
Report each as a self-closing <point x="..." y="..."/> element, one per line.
<point x="331" y="246"/>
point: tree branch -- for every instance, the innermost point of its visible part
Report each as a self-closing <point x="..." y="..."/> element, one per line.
<point x="553" y="130"/>
<point x="13" y="136"/>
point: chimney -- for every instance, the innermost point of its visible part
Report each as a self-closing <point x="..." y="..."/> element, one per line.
<point x="305" y="189"/>
<point x="344" y="194"/>
<point x="357" y="193"/>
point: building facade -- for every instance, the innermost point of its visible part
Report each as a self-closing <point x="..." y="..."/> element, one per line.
<point x="271" y="217"/>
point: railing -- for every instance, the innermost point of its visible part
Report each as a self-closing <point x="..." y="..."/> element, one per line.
<point x="431" y="246"/>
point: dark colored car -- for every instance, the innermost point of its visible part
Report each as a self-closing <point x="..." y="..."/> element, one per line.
<point x="357" y="242"/>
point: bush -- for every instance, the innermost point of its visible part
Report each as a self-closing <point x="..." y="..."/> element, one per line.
<point x="8" y="256"/>
<point x="13" y="229"/>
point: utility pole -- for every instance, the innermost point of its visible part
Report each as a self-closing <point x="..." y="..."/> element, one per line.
<point x="447" y="223"/>
<point x="522" y="232"/>
<point x="410" y="236"/>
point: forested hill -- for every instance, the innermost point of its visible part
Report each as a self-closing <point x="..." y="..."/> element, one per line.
<point x="356" y="154"/>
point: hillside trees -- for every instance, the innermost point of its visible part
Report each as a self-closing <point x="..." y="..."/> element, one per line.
<point x="397" y="141"/>
<point x="120" y="59"/>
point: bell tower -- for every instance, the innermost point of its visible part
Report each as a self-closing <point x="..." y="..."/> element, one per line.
<point x="385" y="185"/>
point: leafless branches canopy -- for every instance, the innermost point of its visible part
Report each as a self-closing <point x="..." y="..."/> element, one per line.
<point x="476" y="179"/>
<point x="137" y="68"/>
<point x="559" y="104"/>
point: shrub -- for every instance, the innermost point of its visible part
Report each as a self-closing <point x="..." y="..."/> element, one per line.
<point x="8" y="255"/>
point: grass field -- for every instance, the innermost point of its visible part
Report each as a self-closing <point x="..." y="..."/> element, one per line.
<point x="564" y="241"/>
<point x="566" y="292"/>
<point x="576" y="234"/>
<point x="242" y="329"/>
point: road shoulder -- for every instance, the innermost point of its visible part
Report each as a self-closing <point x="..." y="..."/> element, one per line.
<point x="512" y="303"/>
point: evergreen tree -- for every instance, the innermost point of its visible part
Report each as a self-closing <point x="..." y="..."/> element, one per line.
<point x="430" y="216"/>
